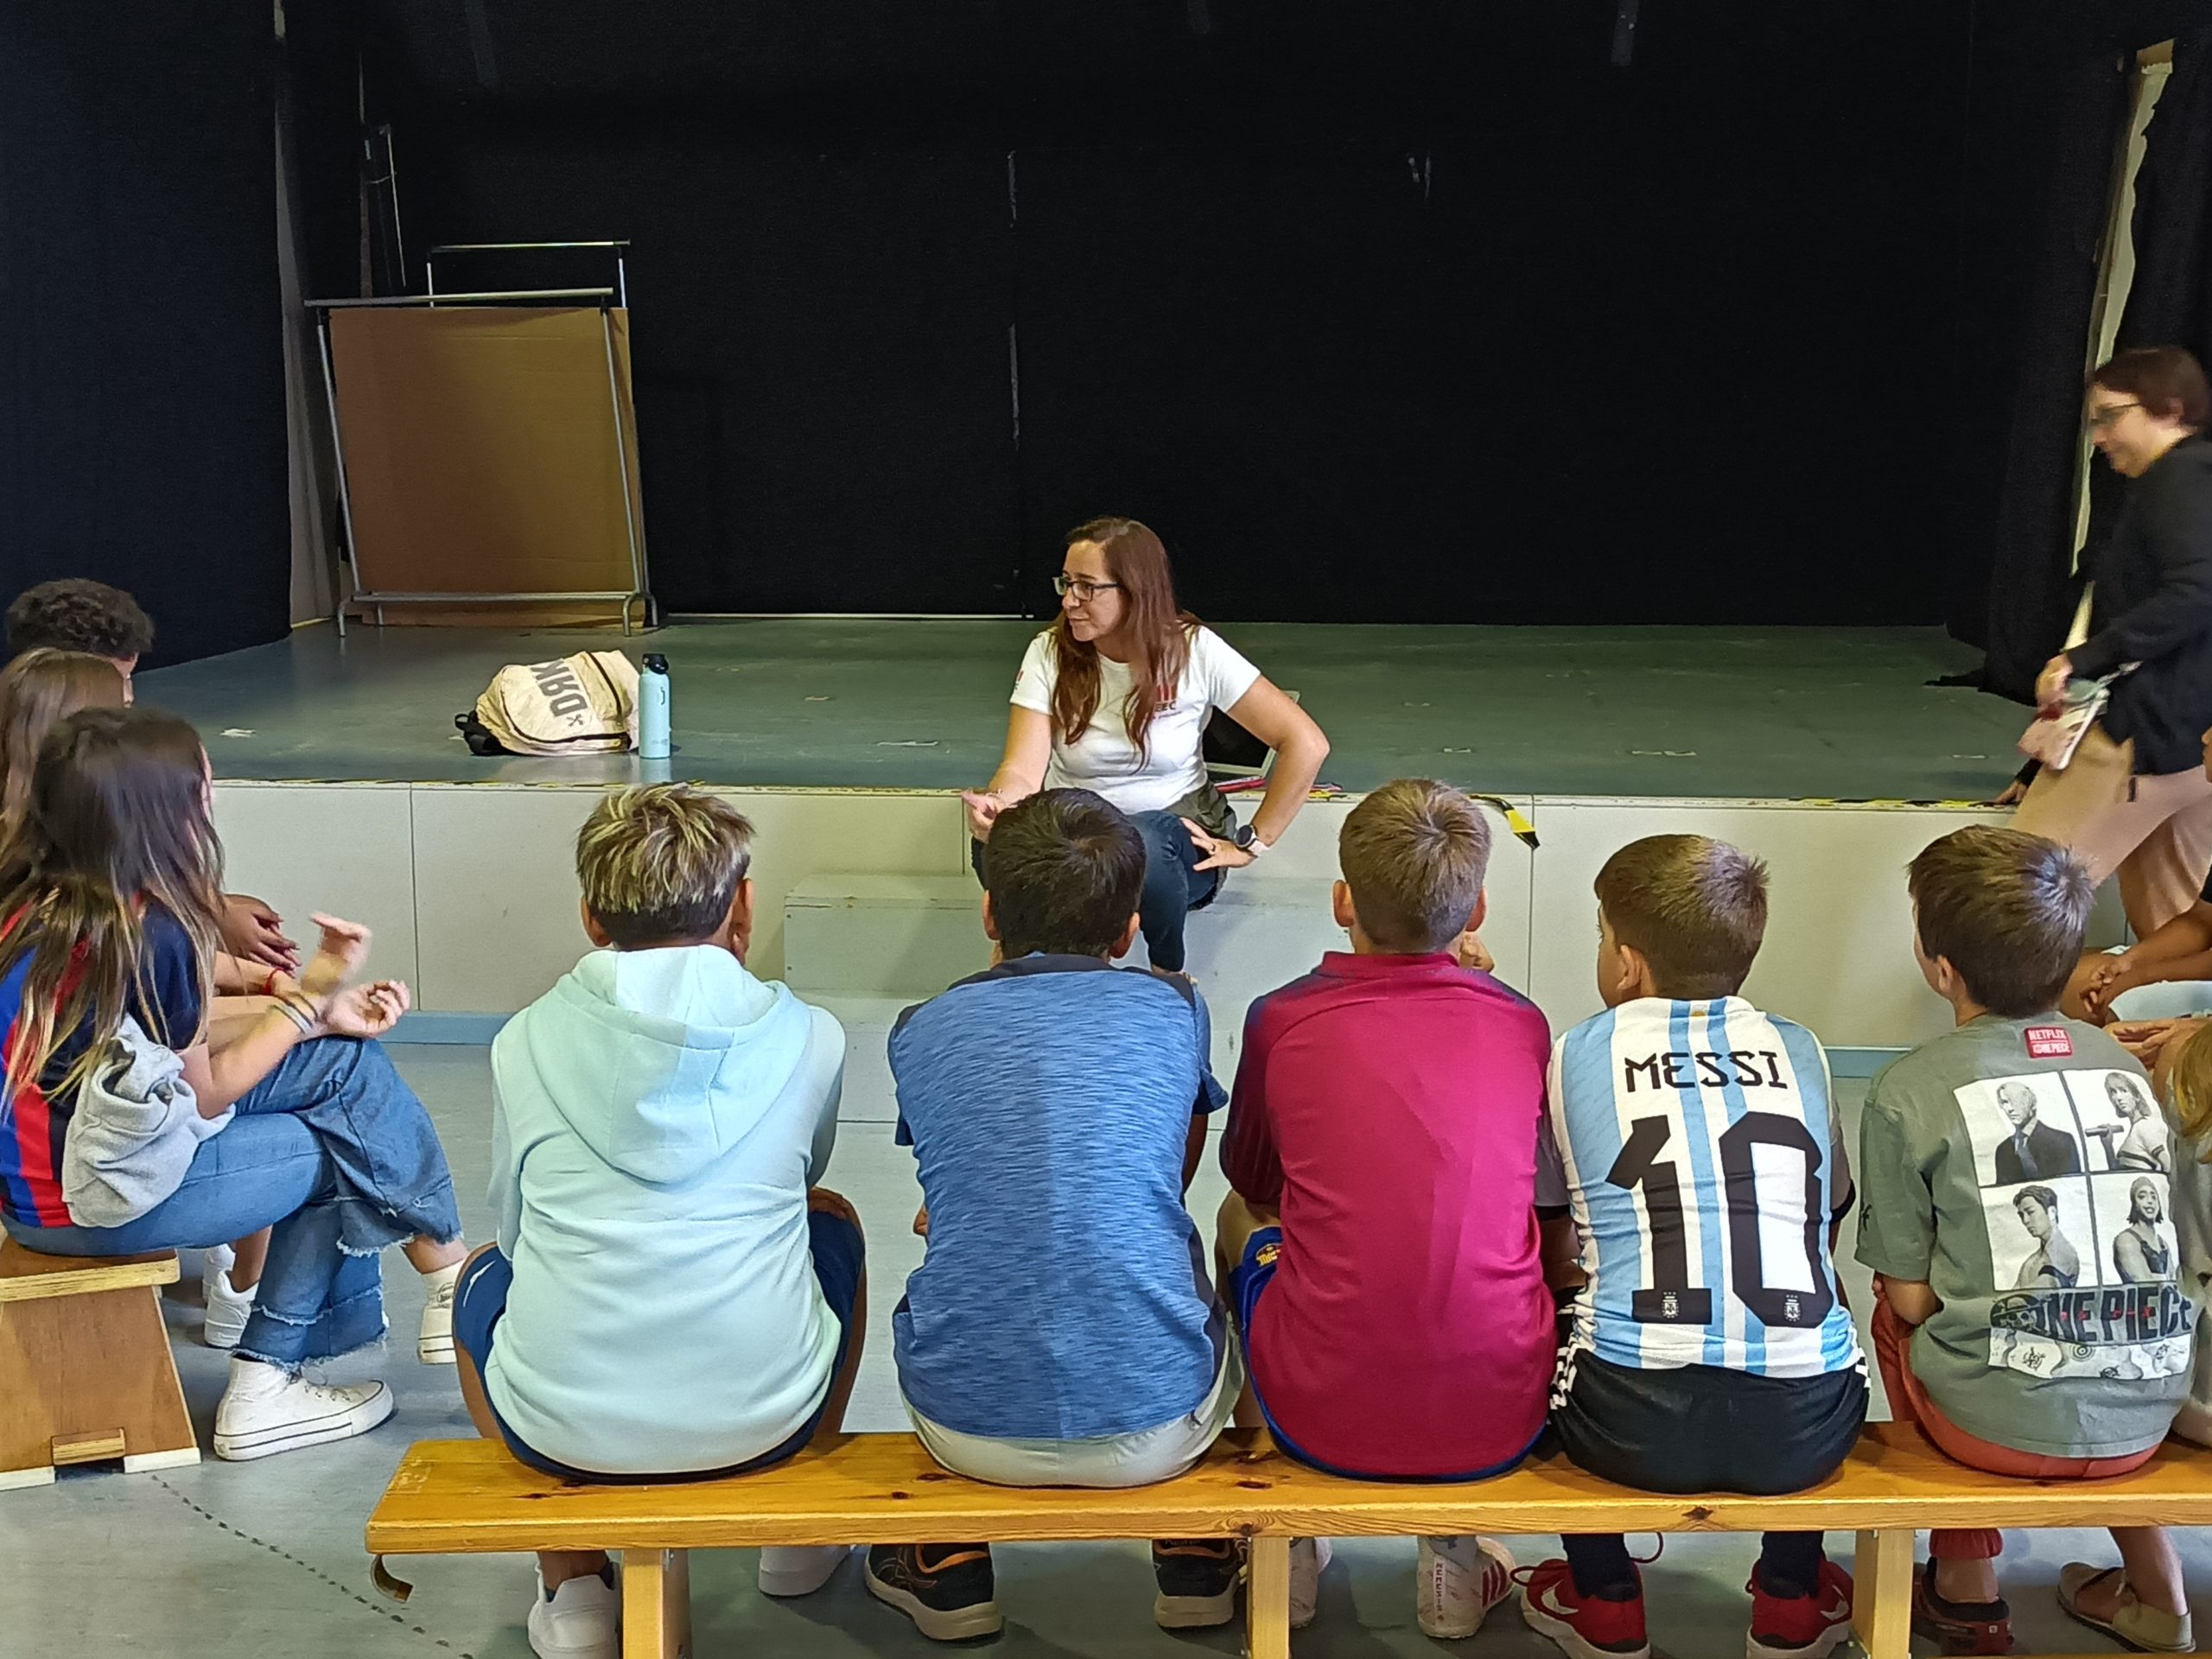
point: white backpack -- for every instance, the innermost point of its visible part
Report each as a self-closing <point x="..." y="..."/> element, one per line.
<point x="584" y="704"/>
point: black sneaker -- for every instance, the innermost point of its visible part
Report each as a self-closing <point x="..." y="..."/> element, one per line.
<point x="946" y="1589"/>
<point x="1198" y="1582"/>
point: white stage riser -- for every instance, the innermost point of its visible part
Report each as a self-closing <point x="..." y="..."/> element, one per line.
<point x="472" y="892"/>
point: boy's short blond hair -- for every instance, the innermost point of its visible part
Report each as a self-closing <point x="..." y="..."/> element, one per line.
<point x="1414" y="854"/>
<point x="2008" y="910"/>
<point x="1693" y="908"/>
<point x="660" y="864"/>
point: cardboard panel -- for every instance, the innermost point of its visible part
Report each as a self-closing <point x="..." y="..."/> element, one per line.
<point x="480" y="449"/>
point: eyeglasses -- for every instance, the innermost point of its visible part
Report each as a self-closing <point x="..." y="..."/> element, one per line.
<point x="2101" y="419"/>
<point x="1085" y="591"/>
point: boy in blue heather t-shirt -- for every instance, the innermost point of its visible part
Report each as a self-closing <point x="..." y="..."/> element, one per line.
<point x="1061" y="1330"/>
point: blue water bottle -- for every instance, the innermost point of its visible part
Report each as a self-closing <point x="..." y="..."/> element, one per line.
<point x="652" y="708"/>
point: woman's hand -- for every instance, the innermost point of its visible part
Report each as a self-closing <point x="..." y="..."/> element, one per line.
<point x="344" y="949"/>
<point x="2050" y="684"/>
<point x="2108" y="980"/>
<point x="367" y="1010"/>
<point x="1472" y="953"/>
<point x="2150" y="1041"/>
<point x="983" y="806"/>
<point x="2012" y="795"/>
<point x="253" y="932"/>
<point x="1216" y="853"/>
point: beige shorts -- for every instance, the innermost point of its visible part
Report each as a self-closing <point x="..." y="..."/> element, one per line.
<point x="1137" y="1458"/>
<point x="2155" y="832"/>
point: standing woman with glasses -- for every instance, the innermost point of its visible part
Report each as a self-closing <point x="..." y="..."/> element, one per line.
<point x="2135" y="798"/>
<point x="1113" y="697"/>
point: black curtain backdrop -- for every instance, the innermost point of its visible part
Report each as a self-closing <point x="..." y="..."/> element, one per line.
<point x="2169" y="301"/>
<point x="2034" y="406"/>
<point x="2050" y="103"/>
<point x="1412" y="310"/>
<point x="142" y="399"/>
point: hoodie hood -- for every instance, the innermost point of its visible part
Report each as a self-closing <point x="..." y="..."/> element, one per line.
<point x="662" y="1061"/>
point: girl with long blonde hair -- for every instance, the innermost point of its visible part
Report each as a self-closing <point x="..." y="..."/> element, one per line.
<point x="110" y="892"/>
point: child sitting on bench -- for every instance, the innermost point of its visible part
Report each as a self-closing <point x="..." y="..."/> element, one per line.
<point x="670" y="1296"/>
<point x="1695" y="1146"/>
<point x="1382" y="1157"/>
<point x="2012" y="1323"/>
<point x="1060" y="1331"/>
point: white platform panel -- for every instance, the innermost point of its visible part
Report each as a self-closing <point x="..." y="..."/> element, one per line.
<point x="472" y="891"/>
<point x="1837" y="957"/>
<point x="344" y="849"/>
<point x="496" y="885"/>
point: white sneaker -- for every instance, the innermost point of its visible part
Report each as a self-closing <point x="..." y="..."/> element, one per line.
<point x="227" y="1311"/>
<point x="217" y="1258"/>
<point x="1461" y="1579"/>
<point x="434" y="1341"/>
<point x="799" y="1569"/>
<point x="264" y="1411"/>
<point x="581" y="1620"/>
<point x="1309" y="1559"/>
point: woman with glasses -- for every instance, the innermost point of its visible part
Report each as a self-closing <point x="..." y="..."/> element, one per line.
<point x="1115" y="697"/>
<point x="2136" y="798"/>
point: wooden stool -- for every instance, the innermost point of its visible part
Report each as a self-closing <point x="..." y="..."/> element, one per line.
<point x="86" y="1371"/>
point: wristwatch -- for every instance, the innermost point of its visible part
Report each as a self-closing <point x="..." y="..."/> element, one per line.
<point x="1247" y="839"/>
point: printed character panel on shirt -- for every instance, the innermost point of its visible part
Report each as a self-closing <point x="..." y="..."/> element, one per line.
<point x="2022" y="1128"/>
<point x="2042" y="1235"/>
<point x="1695" y="1138"/>
<point x="2121" y="1125"/>
<point x="2134" y="1228"/>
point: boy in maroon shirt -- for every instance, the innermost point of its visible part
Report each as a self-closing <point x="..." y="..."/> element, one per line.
<point x="1380" y="1239"/>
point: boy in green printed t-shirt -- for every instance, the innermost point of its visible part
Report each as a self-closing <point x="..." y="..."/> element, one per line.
<point x="2020" y="1319"/>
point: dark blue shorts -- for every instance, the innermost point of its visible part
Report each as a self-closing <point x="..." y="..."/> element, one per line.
<point x="1246" y="1281"/>
<point x="481" y="1299"/>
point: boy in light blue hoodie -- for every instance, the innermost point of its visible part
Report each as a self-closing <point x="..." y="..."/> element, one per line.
<point x="669" y="1296"/>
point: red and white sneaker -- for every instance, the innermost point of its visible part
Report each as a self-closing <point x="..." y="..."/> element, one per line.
<point x="1586" y="1627"/>
<point x="1800" y="1627"/>
<point x="1459" y="1580"/>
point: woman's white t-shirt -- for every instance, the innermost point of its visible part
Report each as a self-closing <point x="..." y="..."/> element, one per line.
<point x="1215" y="676"/>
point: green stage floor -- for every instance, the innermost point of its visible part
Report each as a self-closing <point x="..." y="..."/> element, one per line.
<point x="1764" y="714"/>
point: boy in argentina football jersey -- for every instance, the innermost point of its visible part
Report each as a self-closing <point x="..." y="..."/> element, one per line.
<point x="1695" y="1150"/>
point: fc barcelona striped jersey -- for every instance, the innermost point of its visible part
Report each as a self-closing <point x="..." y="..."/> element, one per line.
<point x="1700" y="1157"/>
<point x="35" y="1119"/>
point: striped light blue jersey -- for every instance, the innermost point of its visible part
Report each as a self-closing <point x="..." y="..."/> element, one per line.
<point x="1698" y="1152"/>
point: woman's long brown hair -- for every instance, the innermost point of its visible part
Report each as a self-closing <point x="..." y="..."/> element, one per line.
<point x="1158" y="631"/>
<point x="117" y="824"/>
<point x="37" y="689"/>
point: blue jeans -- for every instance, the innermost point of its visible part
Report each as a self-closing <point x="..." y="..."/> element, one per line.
<point x="335" y="1152"/>
<point x="1173" y="889"/>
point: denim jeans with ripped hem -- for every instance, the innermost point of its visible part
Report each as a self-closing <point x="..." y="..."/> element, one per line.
<point x="334" y="1151"/>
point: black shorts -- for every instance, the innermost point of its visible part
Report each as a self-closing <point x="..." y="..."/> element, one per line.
<point x="1698" y="1428"/>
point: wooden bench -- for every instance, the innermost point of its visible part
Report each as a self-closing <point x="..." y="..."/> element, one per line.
<point x="86" y="1371"/>
<point x="469" y="1497"/>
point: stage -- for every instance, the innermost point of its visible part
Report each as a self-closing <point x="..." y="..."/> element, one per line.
<point x="1777" y="714"/>
<point x="342" y="785"/>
